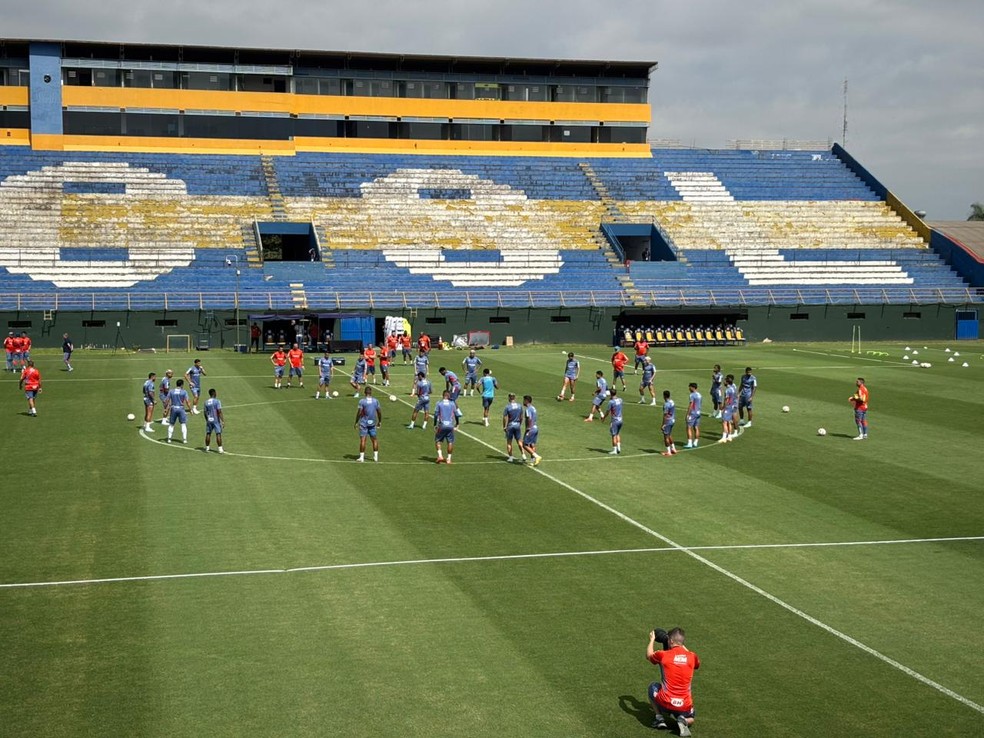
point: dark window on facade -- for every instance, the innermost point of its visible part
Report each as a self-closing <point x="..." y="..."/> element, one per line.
<point x="436" y="321"/>
<point x="93" y="323"/>
<point x="424" y="131"/>
<point x="463" y="90"/>
<point x="523" y="133"/>
<point x="621" y="134"/>
<point x="570" y="134"/>
<point x="855" y="316"/>
<point x="498" y="319"/>
<point x="317" y="128"/>
<point x="473" y="132"/>
<point x="78" y="77"/>
<point x="425" y="89"/>
<point x="18" y="323"/>
<point x="93" y="124"/>
<point x="166" y="323"/>
<point x="799" y="316"/>
<point x="153" y="124"/>
<point x="106" y="77"/>
<point x="912" y="316"/>
<point x="525" y="92"/>
<point x="218" y="81"/>
<point x="370" y="129"/>
<point x="261" y="83"/>
<point x="560" y="318"/>
<point x="15" y="119"/>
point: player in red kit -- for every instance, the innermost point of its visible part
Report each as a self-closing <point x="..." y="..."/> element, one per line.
<point x="30" y="382"/>
<point x="860" y="401"/>
<point x="670" y="697"/>
<point x="619" y="360"/>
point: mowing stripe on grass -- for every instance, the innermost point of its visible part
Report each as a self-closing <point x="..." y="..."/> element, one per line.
<point x="477" y="559"/>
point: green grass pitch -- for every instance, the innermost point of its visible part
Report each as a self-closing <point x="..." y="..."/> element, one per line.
<point x="830" y="587"/>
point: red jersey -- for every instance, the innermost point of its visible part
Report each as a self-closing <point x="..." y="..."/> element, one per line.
<point x="678" y="666"/>
<point x="619" y="360"/>
<point x="405" y="341"/>
<point x="370" y="354"/>
<point x="279" y="358"/>
<point x="641" y="348"/>
<point x="860" y="399"/>
<point x="31" y="378"/>
<point x="8" y="344"/>
<point x="17" y="344"/>
<point x="391" y="342"/>
<point x="424" y="343"/>
<point x="296" y="357"/>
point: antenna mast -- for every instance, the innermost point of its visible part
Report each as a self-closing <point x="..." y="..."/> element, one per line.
<point x="844" y="129"/>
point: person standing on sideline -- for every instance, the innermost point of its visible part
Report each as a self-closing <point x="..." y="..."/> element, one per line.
<point x="326" y="370"/>
<point x="669" y="419"/>
<point x="295" y="357"/>
<point x="370" y="356"/>
<point x="693" y="417"/>
<point x="445" y="421"/>
<point x="254" y="337"/>
<point x="279" y="360"/>
<point x="405" y="348"/>
<point x="194" y="378"/>
<point x="671" y="697"/>
<point x="17" y="353"/>
<point x="164" y="395"/>
<point x="860" y="401"/>
<point x="471" y="364"/>
<point x="424" y="343"/>
<point x="648" y="375"/>
<point x="488" y="386"/>
<point x="614" y="412"/>
<point x="8" y="347"/>
<point x="148" y="401"/>
<point x="214" y="421"/>
<point x="67" y="348"/>
<point x="572" y="370"/>
<point x="641" y="352"/>
<point x="728" y="430"/>
<point x="532" y="434"/>
<point x="368" y="419"/>
<point x="748" y="386"/>
<point x="512" y="426"/>
<point x="179" y="407"/>
<point x="601" y="393"/>
<point x="25" y="348"/>
<point x="422" y="389"/>
<point x="619" y="360"/>
<point x="30" y="382"/>
<point x="716" y="380"/>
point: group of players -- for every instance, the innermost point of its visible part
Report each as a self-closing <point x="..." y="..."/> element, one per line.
<point x="177" y="403"/>
<point x="17" y="350"/>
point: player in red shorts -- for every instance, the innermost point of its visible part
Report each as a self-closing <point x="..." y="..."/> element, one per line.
<point x="670" y="697"/>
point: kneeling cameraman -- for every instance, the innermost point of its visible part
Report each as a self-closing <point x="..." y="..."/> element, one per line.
<point x="670" y="697"/>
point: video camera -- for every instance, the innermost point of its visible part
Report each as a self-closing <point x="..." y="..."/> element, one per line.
<point x="662" y="637"/>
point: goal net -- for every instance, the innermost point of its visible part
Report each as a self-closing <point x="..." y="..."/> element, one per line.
<point x="177" y="343"/>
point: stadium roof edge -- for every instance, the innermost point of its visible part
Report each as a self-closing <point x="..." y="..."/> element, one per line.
<point x="599" y="66"/>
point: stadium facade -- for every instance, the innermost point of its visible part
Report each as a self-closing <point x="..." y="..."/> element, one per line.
<point x="178" y="190"/>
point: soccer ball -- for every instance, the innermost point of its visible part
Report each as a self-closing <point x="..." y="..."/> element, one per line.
<point x="785" y="408"/>
<point x="334" y="393"/>
<point x="392" y="398"/>
<point x="131" y="416"/>
<point x="821" y="431"/>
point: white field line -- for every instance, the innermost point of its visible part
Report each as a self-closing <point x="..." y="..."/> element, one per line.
<point x="479" y="559"/>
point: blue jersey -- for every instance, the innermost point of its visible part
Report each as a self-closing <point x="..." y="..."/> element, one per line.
<point x="424" y="389"/>
<point x="730" y="394"/>
<point x="695" y="402"/>
<point x="179" y="396"/>
<point x="212" y="409"/>
<point x="164" y="389"/>
<point x="513" y="413"/>
<point x="748" y="383"/>
<point x="572" y="368"/>
<point x="324" y="366"/>
<point x="195" y="376"/>
<point x="648" y="372"/>
<point x="487" y="385"/>
<point x="359" y="373"/>
<point x="601" y="386"/>
<point x="669" y="411"/>
<point x="445" y="413"/>
<point x="530" y="417"/>
<point x="452" y="380"/>
<point x="615" y="409"/>
<point x="148" y="390"/>
<point x="368" y="412"/>
<point x="716" y="379"/>
<point x="421" y="364"/>
<point x="471" y="364"/>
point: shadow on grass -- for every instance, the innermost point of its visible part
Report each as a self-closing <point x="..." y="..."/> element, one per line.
<point x="638" y="709"/>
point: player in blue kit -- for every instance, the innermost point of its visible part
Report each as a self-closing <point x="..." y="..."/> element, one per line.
<point x="532" y="434"/>
<point x="445" y="421"/>
<point x="326" y="370"/>
<point x="358" y="379"/>
<point x="648" y="375"/>
<point x="728" y="409"/>
<point x="422" y="389"/>
<point x="148" y="401"/>
<point x="452" y="384"/>
<point x="368" y="419"/>
<point x="194" y="378"/>
<point x="164" y="394"/>
<point x="421" y="364"/>
<point x="669" y="418"/>
<point x="572" y="370"/>
<point x="214" y="420"/>
<point x="512" y="426"/>
<point x="745" y="394"/>
<point x="488" y="385"/>
<point x="471" y="364"/>
<point x="600" y="395"/>
<point x="179" y="406"/>
<point x="716" y="380"/>
<point x="693" y="417"/>
<point x="614" y="412"/>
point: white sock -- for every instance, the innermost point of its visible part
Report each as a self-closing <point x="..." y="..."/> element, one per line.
<point x="362" y="457"/>
<point x="184" y="432"/>
<point x="424" y="425"/>
<point x="411" y="424"/>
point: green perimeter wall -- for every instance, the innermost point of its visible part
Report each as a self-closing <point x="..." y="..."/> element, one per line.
<point x="560" y="325"/>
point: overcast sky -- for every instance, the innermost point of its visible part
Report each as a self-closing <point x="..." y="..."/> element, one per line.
<point x="727" y="70"/>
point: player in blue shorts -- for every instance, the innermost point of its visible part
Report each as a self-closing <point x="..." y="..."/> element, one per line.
<point x="572" y="370"/>
<point x="488" y="385"/>
<point x="471" y="364"/>
<point x="600" y="394"/>
<point x="214" y="420"/>
<point x="326" y="370"/>
<point x="669" y="418"/>
<point x="532" y="434"/>
<point x="194" y="379"/>
<point x="179" y="406"/>
<point x="358" y="375"/>
<point x="445" y="421"/>
<point x="148" y="401"/>
<point x="745" y="394"/>
<point x="422" y="389"/>
<point x="421" y="364"/>
<point x="164" y="394"/>
<point x="512" y="426"/>
<point x="451" y="382"/>
<point x="693" y="417"/>
<point x="368" y="419"/>
<point x="728" y="409"/>
<point x="648" y="375"/>
<point x="614" y="412"/>
<point x="716" y="380"/>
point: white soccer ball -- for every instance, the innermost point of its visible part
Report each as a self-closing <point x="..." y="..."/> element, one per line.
<point x="785" y="408"/>
<point x="334" y="393"/>
<point x="131" y="416"/>
<point x="392" y="398"/>
<point x="821" y="431"/>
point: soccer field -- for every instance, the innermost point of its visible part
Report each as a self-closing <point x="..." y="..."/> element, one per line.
<point x="830" y="587"/>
